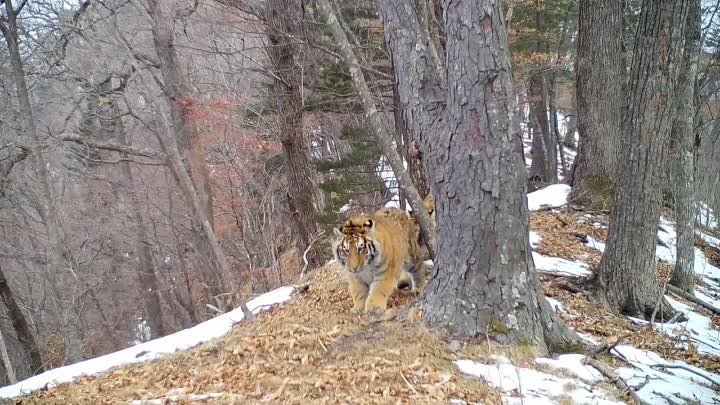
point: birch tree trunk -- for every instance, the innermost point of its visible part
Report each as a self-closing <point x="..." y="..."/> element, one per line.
<point x="683" y="132"/>
<point x="626" y="277"/>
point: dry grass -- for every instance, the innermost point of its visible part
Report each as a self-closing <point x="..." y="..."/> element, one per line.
<point x="309" y="351"/>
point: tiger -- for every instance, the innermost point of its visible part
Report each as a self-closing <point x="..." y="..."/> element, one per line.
<point x="375" y="251"/>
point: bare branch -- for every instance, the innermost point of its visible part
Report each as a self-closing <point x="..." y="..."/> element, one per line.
<point x="116" y="147"/>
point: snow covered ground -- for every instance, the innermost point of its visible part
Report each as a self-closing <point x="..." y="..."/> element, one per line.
<point x="655" y="379"/>
<point x="182" y="340"/>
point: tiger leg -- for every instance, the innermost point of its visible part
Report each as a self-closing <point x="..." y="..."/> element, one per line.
<point x="380" y="290"/>
<point x="358" y="292"/>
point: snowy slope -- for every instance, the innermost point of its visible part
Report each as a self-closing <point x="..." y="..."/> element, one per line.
<point x="147" y="351"/>
<point x="657" y="385"/>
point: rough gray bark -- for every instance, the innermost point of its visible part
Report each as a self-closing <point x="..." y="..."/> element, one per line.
<point x="683" y="132"/>
<point x="599" y="100"/>
<point x="21" y="326"/>
<point x="377" y="126"/>
<point x="626" y="277"/>
<point x="7" y="364"/>
<point x="484" y="280"/>
<point x="539" y="113"/>
<point x="282" y="19"/>
<point x="421" y="90"/>
<point x="537" y="152"/>
<point x="410" y="147"/>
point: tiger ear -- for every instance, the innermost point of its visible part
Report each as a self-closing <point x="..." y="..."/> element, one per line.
<point x="337" y="232"/>
<point x="370" y="224"/>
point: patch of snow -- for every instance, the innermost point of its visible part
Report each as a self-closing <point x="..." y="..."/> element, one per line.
<point x="182" y="340"/>
<point x="711" y="240"/>
<point x="534" y="239"/>
<point x="664" y="386"/>
<point x="555" y="304"/>
<point x="558" y="266"/>
<point x="536" y="387"/>
<point x="553" y="196"/>
<point x="595" y="244"/>
<point x="344" y="208"/>
<point x="698" y="328"/>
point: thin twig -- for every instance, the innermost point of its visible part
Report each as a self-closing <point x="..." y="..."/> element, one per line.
<point x="408" y="382"/>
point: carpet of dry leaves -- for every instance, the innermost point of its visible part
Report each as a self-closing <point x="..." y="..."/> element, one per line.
<point x="311" y="350"/>
<point x="562" y="236"/>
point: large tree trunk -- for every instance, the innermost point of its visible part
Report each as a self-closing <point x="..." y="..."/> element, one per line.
<point x="377" y="125"/>
<point x="599" y="99"/>
<point x="21" y="326"/>
<point x="484" y="279"/>
<point x="282" y="18"/>
<point x="683" y="132"/>
<point x="626" y="277"/>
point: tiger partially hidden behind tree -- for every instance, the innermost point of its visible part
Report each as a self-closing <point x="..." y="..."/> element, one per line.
<point x="376" y="252"/>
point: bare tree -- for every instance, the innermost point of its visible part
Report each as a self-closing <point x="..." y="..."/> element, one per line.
<point x="626" y="277"/>
<point x="20" y="325"/>
<point x="683" y="132"/>
<point x="283" y="19"/>
<point x="599" y="100"/>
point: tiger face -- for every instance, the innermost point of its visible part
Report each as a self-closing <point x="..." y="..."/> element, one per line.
<point x="355" y="247"/>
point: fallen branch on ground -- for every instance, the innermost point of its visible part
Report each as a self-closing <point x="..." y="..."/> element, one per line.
<point x="693" y="299"/>
<point x="615" y="379"/>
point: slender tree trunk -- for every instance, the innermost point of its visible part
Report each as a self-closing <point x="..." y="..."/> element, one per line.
<point x="146" y="274"/>
<point x="626" y="277"/>
<point x="537" y="152"/>
<point x="599" y="100"/>
<point x="571" y="125"/>
<point x="21" y="326"/>
<point x="683" y="132"/>
<point x="555" y="126"/>
<point x="377" y="125"/>
<point x="177" y="90"/>
<point x="282" y="18"/>
<point x="48" y="210"/>
<point x="538" y="106"/>
<point x="7" y="364"/>
<point x="484" y="279"/>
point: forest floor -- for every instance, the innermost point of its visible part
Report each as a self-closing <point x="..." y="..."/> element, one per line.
<point x="312" y="350"/>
